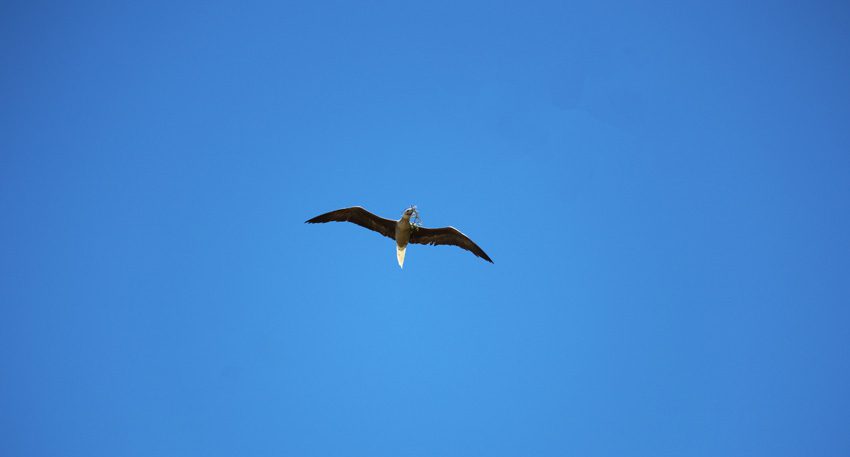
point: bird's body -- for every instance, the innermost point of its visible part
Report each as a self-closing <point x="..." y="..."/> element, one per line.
<point x="402" y="237"/>
<point x="402" y="231"/>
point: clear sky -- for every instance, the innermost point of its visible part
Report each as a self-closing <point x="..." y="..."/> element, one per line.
<point x="664" y="188"/>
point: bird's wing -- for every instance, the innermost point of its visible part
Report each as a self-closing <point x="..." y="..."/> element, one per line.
<point x="447" y="235"/>
<point x="359" y="216"/>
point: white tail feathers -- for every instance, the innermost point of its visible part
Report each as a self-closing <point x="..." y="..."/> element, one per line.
<point x="400" y="254"/>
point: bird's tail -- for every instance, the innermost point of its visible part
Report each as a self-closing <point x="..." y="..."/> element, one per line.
<point x="400" y="254"/>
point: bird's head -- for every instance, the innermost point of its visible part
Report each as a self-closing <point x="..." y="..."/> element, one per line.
<point x="412" y="212"/>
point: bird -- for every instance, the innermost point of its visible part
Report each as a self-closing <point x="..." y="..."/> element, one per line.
<point x="402" y="230"/>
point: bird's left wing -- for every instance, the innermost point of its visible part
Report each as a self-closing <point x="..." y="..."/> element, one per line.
<point x="359" y="216"/>
<point x="447" y="235"/>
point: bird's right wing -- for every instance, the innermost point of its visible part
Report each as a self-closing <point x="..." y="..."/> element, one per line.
<point x="359" y="216"/>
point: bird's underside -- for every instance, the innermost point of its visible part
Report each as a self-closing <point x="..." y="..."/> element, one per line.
<point x="402" y="231"/>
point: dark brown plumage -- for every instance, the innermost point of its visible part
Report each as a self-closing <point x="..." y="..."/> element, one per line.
<point x="444" y="236"/>
<point x="359" y="216"/>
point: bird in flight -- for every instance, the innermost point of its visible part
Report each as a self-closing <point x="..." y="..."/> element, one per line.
<point x="402" y="230"/>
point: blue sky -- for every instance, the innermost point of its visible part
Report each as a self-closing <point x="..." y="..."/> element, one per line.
<point x="664" y="189"/>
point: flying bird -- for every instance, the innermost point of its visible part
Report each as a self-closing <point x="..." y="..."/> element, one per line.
<point x="402" y="230"/>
